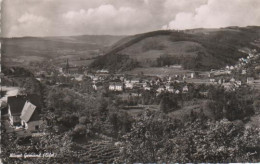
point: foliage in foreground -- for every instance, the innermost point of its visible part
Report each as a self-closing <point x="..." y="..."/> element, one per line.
<point x="163" y="140"/>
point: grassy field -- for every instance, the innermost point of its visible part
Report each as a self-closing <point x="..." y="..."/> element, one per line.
<point x="189" y="106"/>
<point x="158" y="71"/>
<point x="23" y="51"/>
<point x="198" y="49"/>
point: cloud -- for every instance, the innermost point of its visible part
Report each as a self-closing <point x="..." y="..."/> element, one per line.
<point x="70" y="17"/>
<point x="29" y="18"/>
<point x="218" y="13"/>
<point x="29" y="24"/>
<point x="107" y="19"/>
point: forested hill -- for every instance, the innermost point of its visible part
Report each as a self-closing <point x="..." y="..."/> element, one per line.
<point x="199" y="49"/>
<point x="22" y="51"/>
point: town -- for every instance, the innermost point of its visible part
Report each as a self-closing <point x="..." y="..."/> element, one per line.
<point x="22" y="109"/>
<point x="91" y="113"/>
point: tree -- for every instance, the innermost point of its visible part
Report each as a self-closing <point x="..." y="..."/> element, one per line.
<point x="168" y="104"/>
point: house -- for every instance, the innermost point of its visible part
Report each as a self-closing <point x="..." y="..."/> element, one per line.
<point x="220" y="81"/>
<point x="232" y="80"/>
<point x="185" y="89"/>
<point x="15" y="107"/>
<point x="30" y="118"/>
<point x="229" y="86"/>
<point x="129" y="85"/>
<point x="250" y="80"/>
<point x="184" y="77"/>
<point x="146" y="84"/>
<point x="79" y="78"/>
<point x="170" y="89"/>
<point x="17" y="104"/>
<point x="136" y="94"/>
<point x="97" y="86"/>
<point x="167" y="86"/>
<point x="127" y="80"/>
<point x="177" y="91"/>
<point x="135" y="80"/>
<point x="160" y="89"/>
<point x="95" y="78"/>
<point x="102" y="71"/>
<point x="147" y="88"/>
<point x="116" y="87"/>
<point x="205" y="93"/>
<point x="170" y="79"/>
<point x="238" y="83"/>
<point x="243" y="72"/>
<point x="192" y="75"/>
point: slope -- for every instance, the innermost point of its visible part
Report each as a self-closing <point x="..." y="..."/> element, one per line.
<point x="198" y="49"/>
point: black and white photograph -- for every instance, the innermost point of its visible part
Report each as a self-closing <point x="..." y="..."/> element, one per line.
<point x="129" y="81"/>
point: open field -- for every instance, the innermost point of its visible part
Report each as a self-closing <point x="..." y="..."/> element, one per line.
<point x="158" y="71"/>
<point x="199" y="49"/>
<point x="23" y="51"/>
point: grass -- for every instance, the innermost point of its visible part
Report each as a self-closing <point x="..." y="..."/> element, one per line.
<point x="201" y="49"/>
<point x="22" y="51"/>
<point x="158" y="71"/>
<point x="183" y="112"/>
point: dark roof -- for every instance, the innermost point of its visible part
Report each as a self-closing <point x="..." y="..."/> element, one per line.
<point x="35" y="100"/>
<point x="16" y="103"/>
<point x="29" y="112"/>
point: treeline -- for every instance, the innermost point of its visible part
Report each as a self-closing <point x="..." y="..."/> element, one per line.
<point x="115" y="63"/>
<point x="221" y="48"/>
<point x="224" y="44"/>
<point x="187" y="62"/>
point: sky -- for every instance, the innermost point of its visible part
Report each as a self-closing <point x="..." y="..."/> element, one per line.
<point x="122" y="17"/>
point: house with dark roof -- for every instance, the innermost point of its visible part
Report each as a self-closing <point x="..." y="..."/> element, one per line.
<point x="30" y="118"/>
<point x="15" y="107"/>
<point x="24" y="110"/>
<point x="115" y="86"/>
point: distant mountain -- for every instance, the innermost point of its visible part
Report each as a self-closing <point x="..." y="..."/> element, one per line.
<point x="30" y="49"/>
<point x="198" y="49"/>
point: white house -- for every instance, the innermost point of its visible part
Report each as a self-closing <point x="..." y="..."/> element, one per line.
<point x="116" y="87"/>
<point x="177" y="91"/>
<point x="160" y="89"/>
<point x="243" y="72"/>
<point x="192" y="75"/>
<point x="135" y="80"/>
<point x="250" y="80"/>
<point x="147" y="88"/>
<point x="238" y="82"/>
<point x="30" y="117"/>
<point x="232" y="80"/>
<point x="170" y="89"/>
<point x="185" y="89"/>
<point x="129" y="85"/>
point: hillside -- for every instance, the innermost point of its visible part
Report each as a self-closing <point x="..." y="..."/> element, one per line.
<point x="199" y="49"/>
<point x="22" y="51"/>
